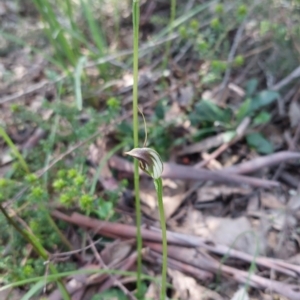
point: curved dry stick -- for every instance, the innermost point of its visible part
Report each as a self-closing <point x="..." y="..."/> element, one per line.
<point x="258" y="163"/>
<point x="127" y="231"/>
<point x="205" y="262"/>
<point x="175" y="171"/>
<point x="116" y="230"/>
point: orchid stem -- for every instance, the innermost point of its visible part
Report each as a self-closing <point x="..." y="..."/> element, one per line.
<point x="135" y="21"/>
<point x="159" y="191"/>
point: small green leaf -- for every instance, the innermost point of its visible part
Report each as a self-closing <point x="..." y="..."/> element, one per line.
<point x="251" y="86"/>
<point x="105" y="209"/>
<point x="218" y="66"/>
<point x="210" y="112"/>
<point x="110" y="294"/>
<point x="210" y="77"/>
<point x="262" y="118"/>
<point x="244" y="110"/>
<point x="260" y="143"/>
<point x="264" y="98"/>
<point x="160" y="111"/>
<point x="125" y="128"/>
<point x="265" y="26"/>
<point x="202" y="133"/>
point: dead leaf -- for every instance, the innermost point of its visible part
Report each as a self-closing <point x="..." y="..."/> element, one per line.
<point x="253" y="203"/>
<point x="269" y="200"/>
<point x="204" y="145"/>
<point x="213" y="164"/>
<point x="211" y="193"/>
<point x="294" y="113"/>
<point x="185" y="96"/>
<point x="2" y="9"/>
<point x="6" y="157"/>
<point x="281" y="219"/>
<point x="187" y="288"/>
<point x="193" y="223"/>
<point x="97" y="155"/>
<point x="235" y="233"/>
<point x="215" y="96"/>
<point x="294" y="202"/>
<point x="173" y="191"/>
<point x="237" y="89"/>
<point x="173" y="112"/>
<point x="115" y="252"/>
<point x="153" y="292"/>
<point x="241" y="294"/>
<point x="294" y="259"/>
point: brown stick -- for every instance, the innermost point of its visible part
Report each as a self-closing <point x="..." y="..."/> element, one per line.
<point x="175" y="171"/>
<point x="208" y="263"/>
<point x="113" y="280"/>
<point x="198" y="273"/>
<point x="154" y="235"/>
<point x="126" y="231"/>
<point x="240" y="133"/>
<point x="262" y="162"/>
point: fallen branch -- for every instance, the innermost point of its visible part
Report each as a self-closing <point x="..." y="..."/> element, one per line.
<point x="175" y="171"/>
<point x="152" y="238"/>
<point x="258" y="163"/>
<point x="124" y="231"/>
<point x="195" y="259"/>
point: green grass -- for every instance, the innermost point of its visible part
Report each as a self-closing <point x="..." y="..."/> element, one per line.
<point x="14" y="149"/>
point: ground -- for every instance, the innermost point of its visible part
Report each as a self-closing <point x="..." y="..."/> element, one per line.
<point x="218" y="96"/>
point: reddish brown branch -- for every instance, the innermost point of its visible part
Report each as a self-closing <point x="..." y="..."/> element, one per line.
<point x="152" y="239"/>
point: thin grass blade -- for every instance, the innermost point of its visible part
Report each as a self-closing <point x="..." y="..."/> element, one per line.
<point x="14" y="149"/>
<point x="77" y="81"/>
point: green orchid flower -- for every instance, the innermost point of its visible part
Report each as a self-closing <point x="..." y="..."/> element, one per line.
<point x="149" y="161"/>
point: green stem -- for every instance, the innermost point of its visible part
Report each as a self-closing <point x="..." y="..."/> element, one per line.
<point x="172" y="18"/>
<point x="37" y="246"/>
<point x="159" y="191"/>
<point x="135" y="20"/>
<point x="14" y="149"/>
<point x="59" y="233"/>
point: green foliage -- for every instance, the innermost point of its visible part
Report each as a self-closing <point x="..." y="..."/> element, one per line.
<point x="215" y="24"/>
<point x="265" y="26"/>
<point x="259" y="143"/>
<point x="72" y="189"/>
<point x="262" y="118"/>
<point x="110" y="294"/>
<point x="262" y="99"/>
<point x="251" y="86"/>
<point x="211" y="117"/>
<point x="218" y="66"/>
<point x="207" y="111"/>
<point x="219" y="9"/>
<point x="113" y="103"/>
<point x="59" y="40"/>
<point x="208" y="117"/>
<point x="239" y="60"/>
<point x="241" y="12"/>
<point x="65" y="186"/>
<point x="244" y="110"/>
<point x="14" y="149"/>
<point x="68" y="37"/>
